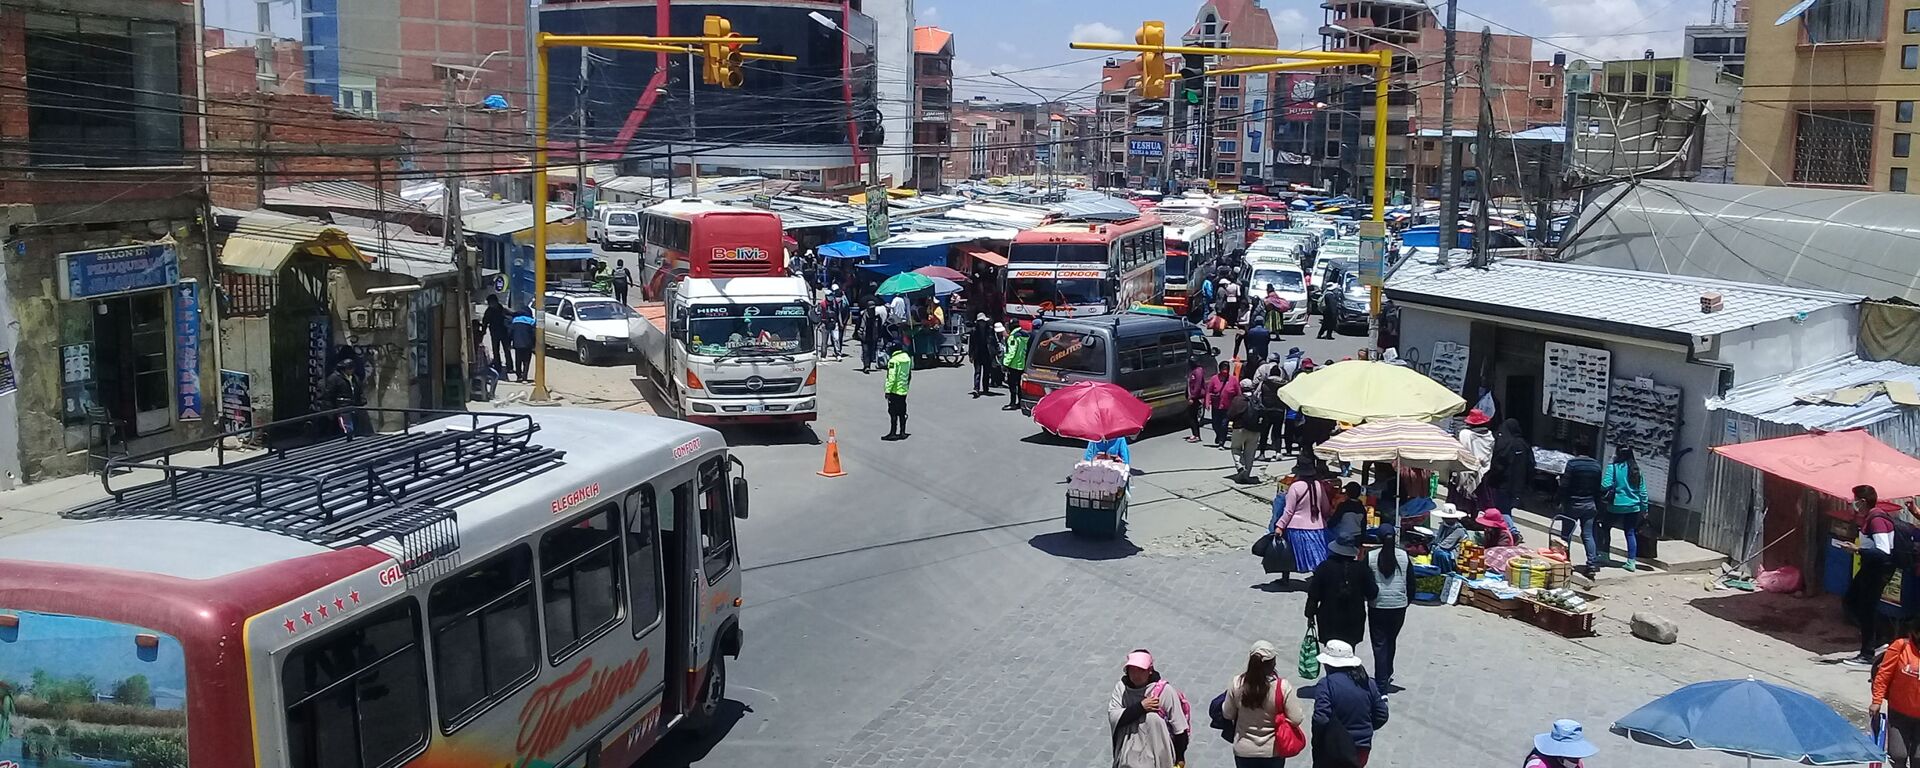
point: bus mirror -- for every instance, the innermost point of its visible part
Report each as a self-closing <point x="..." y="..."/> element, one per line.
<point x="740" y="498"/>
<point x="677" y="326"/>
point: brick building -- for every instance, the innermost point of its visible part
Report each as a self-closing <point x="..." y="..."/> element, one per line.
<point x="105" y="312"/>
<point x="933" y="106"/>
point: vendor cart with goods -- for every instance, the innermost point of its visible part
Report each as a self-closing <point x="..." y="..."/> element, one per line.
<point x="1104" y="415"/>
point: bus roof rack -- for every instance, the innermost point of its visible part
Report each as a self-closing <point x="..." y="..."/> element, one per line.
<point x="395" y="491"/>
<point x="1104" y="217"/>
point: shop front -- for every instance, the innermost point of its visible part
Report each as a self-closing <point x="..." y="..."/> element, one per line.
<point x="1590" y="360"/>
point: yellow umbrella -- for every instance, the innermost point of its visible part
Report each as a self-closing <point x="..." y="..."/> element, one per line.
<point x="1355" y="391"/>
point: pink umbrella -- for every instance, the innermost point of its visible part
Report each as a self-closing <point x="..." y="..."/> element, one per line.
<point x="945" y="272"/>
<point x="1091" y="410"/>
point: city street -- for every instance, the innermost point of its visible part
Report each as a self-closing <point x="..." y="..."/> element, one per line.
<point x="929" y="608"/>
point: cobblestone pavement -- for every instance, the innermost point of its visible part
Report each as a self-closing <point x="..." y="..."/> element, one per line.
<point x="1031" y="689"/>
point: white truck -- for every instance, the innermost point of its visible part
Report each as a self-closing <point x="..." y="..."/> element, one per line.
<point x="732" y="350"/>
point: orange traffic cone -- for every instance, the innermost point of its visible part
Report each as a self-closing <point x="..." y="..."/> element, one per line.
<point x="832" y="468"/>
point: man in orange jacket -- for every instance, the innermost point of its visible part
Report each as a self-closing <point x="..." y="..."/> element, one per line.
<point x="1896" y="691"/>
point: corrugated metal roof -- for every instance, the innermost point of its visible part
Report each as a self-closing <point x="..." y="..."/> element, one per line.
<point x="1624" y="297"/>
<point x="506" y="220"/>
<point x="339" y="195"/>
<point x="1824" y="239"/>
<point x="930" y="39"/>
<point x="259" y="229"/>
<point x="1778" y="398"/>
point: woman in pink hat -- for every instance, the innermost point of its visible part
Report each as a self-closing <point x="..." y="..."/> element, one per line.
<point x="1493" y="529"/>
<point x="1149" y="718"/>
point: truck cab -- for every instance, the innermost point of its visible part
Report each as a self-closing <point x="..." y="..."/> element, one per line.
<point x="733" y="349"/>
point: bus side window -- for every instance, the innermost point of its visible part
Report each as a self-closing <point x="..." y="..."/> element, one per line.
<point x="357" y="696"/>
<point x="716" y="519"/>
<point x="486" y="636"/>
<point x="643" y="559"/>
<point x="580" y="581"/>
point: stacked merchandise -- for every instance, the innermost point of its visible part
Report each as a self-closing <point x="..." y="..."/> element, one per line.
<point x="1100" y="478"/>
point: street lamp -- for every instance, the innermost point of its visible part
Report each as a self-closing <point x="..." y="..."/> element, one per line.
<point x="1052" y="158"/>
<point x="873" y="156"/>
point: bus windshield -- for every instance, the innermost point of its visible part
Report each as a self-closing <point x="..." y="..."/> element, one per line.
<point x="724" y="330"/>
<point x="1058" y="291"/>
<point x="80" y="691"/>
<point x="1069" y="351"/>
<point x="1057" y="253"/>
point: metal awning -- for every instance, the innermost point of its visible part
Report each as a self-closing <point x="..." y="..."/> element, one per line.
<point x="982" y="254"/>
<point x="262" y="242"/>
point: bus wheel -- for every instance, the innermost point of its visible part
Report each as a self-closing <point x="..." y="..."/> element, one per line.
<point x="715" y="691"/>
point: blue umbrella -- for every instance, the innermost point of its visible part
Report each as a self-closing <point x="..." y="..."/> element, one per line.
<point x="1751" y="719"/>
<point x="943" y="286"/>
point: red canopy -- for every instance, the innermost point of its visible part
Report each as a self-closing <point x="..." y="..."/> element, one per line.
<point x="1092" y="410"/>
<point x="1833" y="463"/>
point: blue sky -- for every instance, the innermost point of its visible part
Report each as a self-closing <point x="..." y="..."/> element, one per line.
<point x="1007" y="35"/>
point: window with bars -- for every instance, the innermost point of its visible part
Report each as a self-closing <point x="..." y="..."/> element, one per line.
<point x="247" y="295"/>
<point x="1844" y="21"/>
<point x="1833" y="146"/>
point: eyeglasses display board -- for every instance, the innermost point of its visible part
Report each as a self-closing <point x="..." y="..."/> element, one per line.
<point x="1575" y="383"/>
<point x="1644" y="415"/>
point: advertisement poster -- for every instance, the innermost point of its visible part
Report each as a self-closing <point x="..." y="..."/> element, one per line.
<point x="236" y="399"/>
<point x="86" y="692"/>
<point x="1145" y="148"/>
<point x="186" y="349"/>
<point x="1252" y="150"/>
<point x="1299" y="95"/>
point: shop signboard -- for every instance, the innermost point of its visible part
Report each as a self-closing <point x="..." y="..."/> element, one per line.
<point x="1251" y="149"/>
<point x="1373" y="253"/>
<point x="1146" y="148"/>
<point x="186" y="349"/>
<point x="113" y="271"/>
<point x="1299" y="98"/>
<point x="876" y="216"/>
<point x="236" y="399"/>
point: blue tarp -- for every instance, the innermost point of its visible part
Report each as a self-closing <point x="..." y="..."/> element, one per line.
<point x="845" y="249"/>
<point x="914" y="257"/>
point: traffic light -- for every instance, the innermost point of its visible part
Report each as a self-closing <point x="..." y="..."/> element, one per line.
<point x="1153" y="66"/>
<point x="714" y="54"/>
<point x="1193" y="77"/>
<point x="728" y="70"/>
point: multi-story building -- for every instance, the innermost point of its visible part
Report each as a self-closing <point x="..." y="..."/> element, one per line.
<point x="1828" y="97"/>
<point x="1513" y="82"/>
<point x="377" y="56"/>
<point x="1723" y="42"/>
<point x="821" y="115"/>
<point x="933" y="105"/>
<point x="1230" y="129"/>
<point x="1133" y="150"/>
<point x="983" y="146"/>
<point x="894" y="84"/>
<point x="106" y="307"/>
<point x="1026" y="129"/>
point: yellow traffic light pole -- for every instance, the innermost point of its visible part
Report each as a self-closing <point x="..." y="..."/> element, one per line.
<point x="723" y="54"/>
<point x="1148" y="46"/>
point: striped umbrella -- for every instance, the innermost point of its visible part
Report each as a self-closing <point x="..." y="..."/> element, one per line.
<point x="1401" y="441"/>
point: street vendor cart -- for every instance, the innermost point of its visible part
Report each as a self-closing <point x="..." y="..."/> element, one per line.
<point x="1104" y="415"/>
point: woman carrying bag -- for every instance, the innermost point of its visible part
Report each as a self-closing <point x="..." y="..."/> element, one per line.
<point x="1266" y="720"/>
<point x="1347" y="710"/>
<point x="1623" y="501"/>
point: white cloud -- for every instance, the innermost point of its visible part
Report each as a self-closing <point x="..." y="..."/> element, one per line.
<point x="927" y="17"/>
<point x="1006" y="47"/>
<point x="1096" y="32"/>
<point x="1611" y="29"/>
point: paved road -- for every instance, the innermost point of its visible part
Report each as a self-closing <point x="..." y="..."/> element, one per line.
<point x="929" y="609"/>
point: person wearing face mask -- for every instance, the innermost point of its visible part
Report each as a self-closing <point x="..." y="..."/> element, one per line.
<point x="1875" y="547"/>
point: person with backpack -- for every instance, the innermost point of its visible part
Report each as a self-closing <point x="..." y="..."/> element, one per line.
<point x="1565" y="746"/>
<point x="1580" y="505"/>
<point x="1339" y="593"/>
<point x="1257" y="703"/>
<point x="1347" y="710"/>
<point x="622" y="279"/>
<point x="1150" y="720"/>
<point x="1880" y="539"/>
<point x="1623" y="494"/>
<point x="1014" y="360"/>
<point x="1244" y="416"/>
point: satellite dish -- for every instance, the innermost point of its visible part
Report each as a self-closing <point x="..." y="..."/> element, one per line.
<point x="1794" y="12"/>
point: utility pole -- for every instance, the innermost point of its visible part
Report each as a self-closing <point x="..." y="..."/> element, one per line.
<point x="1448" y="226"/>
<point x="693" y="130"/>
<point x="1483" y="149"/>
<point x="580" y="137"/>
<point x="268" y="79"/>
<point x="454" y="226"/>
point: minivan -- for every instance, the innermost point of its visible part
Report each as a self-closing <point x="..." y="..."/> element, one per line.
<point x="614" y="226"/>
<point x="1149" y="354"/>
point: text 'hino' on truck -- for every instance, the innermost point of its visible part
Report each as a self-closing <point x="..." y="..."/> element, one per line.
<point x="727" y="335"/>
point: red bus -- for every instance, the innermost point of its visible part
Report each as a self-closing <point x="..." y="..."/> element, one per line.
<point x="1266" y="216"/>
<point x="697" y="238"/>
<point x="1087" y="266"/>
<point x="477" y="589"/>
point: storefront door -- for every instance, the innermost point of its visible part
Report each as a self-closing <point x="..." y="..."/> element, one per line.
<point x="130" y="363"/>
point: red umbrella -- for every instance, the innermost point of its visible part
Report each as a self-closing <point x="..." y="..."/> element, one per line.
<point x="1091" y="410"/>
<point x="943" y="272"/>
